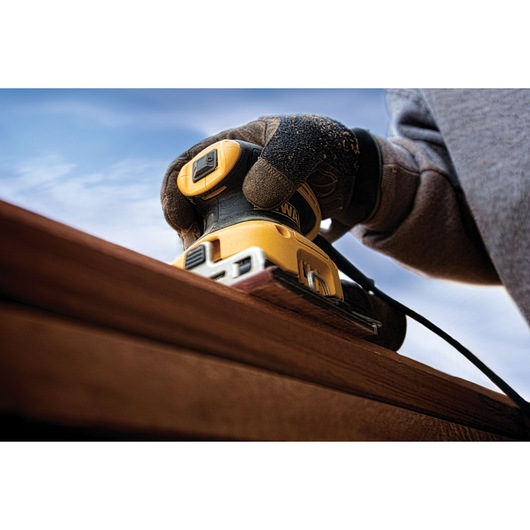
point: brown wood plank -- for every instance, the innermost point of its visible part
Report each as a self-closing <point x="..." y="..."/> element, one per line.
<point x="49" y="265"/>
<point x="65" y="373"/>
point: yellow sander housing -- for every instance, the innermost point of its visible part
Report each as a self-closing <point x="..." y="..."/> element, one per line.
<point x="238" y="238"/>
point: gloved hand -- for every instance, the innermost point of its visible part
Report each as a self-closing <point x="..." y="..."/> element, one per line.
<point x="340" y="165"/>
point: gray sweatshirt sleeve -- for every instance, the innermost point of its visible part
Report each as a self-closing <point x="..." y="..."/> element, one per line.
<point x="423" y="220"/>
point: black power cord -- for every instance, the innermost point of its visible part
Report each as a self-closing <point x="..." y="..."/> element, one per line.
<point x="368" y="285"/>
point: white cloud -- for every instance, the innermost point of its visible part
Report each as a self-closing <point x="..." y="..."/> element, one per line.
<point x="101" y="114"/>
<point x="119" y="203"/>
<point x="32" y="175"/>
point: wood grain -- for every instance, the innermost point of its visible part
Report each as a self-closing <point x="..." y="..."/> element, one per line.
<point x="82" y="376"/>
<point x="51" y="266"/>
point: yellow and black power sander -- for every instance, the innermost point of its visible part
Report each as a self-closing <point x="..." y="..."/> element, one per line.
<point x="240" y="241"/>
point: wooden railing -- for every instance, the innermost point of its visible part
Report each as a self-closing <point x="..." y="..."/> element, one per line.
<point x="99" y="342"/>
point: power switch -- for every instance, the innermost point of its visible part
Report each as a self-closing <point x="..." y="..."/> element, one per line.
<point x="204" y="165"/>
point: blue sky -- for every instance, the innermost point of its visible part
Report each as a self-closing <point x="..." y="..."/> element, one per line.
<point x="94" y="159"/>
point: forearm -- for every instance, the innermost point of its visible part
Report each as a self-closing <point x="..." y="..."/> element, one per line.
<point x="422" y="219"/>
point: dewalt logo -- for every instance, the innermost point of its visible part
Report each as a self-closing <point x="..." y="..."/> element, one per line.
<point x="289" y="211"/>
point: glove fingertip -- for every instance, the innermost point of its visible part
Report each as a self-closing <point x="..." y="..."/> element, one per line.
<point x="266" y="187"/>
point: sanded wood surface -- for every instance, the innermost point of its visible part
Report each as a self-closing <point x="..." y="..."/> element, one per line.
<point x="48" y="266"/>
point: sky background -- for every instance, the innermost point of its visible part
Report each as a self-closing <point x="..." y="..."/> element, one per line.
<point x="94" y="159"/>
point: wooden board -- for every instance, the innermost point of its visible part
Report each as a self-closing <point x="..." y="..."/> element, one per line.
<point x="112" y="386"/>
<point x="49" y="266"/>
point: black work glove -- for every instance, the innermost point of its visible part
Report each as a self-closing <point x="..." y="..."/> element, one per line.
<point x="340" y="165"/>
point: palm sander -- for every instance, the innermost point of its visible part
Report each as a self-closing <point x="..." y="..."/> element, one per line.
<point x="272" y="253"/>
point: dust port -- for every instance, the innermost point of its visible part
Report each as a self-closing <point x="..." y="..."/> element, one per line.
<point x="283" y="231"/>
